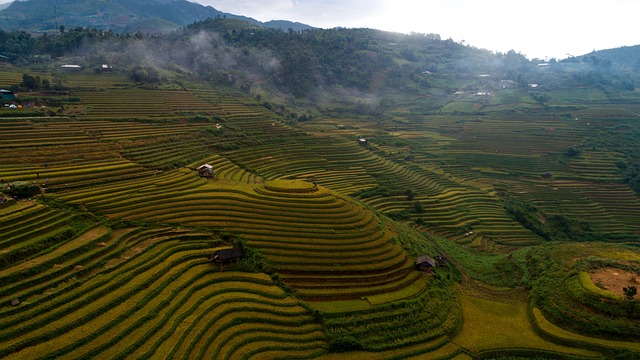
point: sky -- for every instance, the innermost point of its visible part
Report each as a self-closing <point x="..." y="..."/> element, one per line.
<point x="535" y="28"/>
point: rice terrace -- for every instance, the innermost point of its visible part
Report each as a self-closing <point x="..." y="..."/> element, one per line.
<point x="154" y="212"/>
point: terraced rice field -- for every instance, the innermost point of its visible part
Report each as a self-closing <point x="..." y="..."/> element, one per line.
<point x="145" y="292"/>
<point x="456" y="198"/>
<point x="113" y="262"/>
<point x="323" y="245"/>
<point x="586" y="187"/>
<point x="143" y="104"/>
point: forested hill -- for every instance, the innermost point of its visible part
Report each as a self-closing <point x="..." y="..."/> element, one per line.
<point x="146" y="16"/>
<point x="622" y="58"/>
<point x="356" y="65"/>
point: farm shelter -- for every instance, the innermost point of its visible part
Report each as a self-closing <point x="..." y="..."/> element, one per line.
<point x="7" y="95"/>
<point x="205" y="170"/>
<point x="425" y="263"/>
<point x="226" y="256"/>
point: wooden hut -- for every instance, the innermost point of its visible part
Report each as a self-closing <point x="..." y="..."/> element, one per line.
<point x="425" y="263"/>
<point x="226" y="256"/>
<point x="205" y="170"/>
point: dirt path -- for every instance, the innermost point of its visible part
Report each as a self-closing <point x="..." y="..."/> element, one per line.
<point x="614" y="280"/>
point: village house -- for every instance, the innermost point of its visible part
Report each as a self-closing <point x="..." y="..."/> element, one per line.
<point x="205" y="170"/>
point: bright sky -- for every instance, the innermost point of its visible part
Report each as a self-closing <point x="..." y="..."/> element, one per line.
<point x="535" y="28"/>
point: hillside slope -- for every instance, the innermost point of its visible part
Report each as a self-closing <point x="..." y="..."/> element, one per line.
<point x="340" y="157"/>
<point x="117" y="15"/>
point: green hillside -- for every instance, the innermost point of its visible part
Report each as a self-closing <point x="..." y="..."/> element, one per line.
<point x="143" y="16"/>
<point x="339" y="158"/>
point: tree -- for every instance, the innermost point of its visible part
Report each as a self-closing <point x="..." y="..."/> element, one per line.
<point x="145" y="74"/>
<point x="417" y="207"/>
<point x="410" y="194"/>
<point x="23" y="191"/>
<point x="30" y="82"/>
<point x="572" y="151"/>
<point x="630" y="292"/>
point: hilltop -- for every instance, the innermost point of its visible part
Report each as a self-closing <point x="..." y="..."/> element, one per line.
<point x="146" y="16"/>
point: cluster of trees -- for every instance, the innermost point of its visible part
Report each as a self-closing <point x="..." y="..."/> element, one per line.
<point x="23" y="48"/>
<point x="555" y="226"/>
<point x="22" y="191"/>
<point x="631" y="175"/>
<point x="30" y="82"/>
<point x="308" y="59"/>
<point x="145" y="74"/>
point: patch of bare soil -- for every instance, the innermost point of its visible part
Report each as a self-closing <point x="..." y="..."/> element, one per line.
<point x="614" y="280"/>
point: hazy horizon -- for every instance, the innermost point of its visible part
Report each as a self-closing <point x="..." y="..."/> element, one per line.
<point x="541" y="29"/>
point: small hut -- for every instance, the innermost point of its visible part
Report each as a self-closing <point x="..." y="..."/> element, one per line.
<point x="425" y="263"/>
<point x="226" y="256"/>
<point x="7" y="95"/>
<point x="205" y="170"/>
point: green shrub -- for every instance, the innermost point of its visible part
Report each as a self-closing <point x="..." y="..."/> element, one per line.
<point x="572" y="152"/>
<point x="344" y="343"/>
<point x="22" y="191"/>
<point x="399" y="215"/>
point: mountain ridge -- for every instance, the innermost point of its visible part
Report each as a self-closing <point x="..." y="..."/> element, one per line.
<point x="147" y="16"/>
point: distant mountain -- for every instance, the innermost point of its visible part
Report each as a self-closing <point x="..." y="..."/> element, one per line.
<point x="148" y="16"/>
